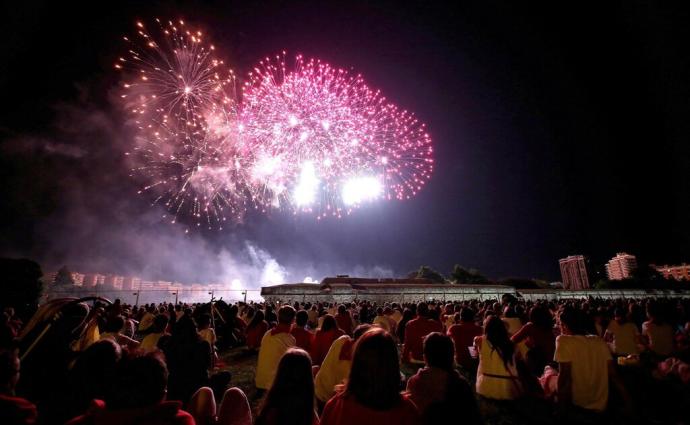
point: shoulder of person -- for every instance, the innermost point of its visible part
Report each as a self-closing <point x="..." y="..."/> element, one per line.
<point x="408" y="405"/>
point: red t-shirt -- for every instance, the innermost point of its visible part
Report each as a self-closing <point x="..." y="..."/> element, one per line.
<point x="345" y="410"/>
<point x="16" y="410"/>
<point x="322" y="343"/>
<point x="303" y="338"/>
<point x="463" y="336"/>
<point x="163" y="413"/>
<point x="415" y="331"/>
<point x="255" y="334"/>
<point x="344" y="322"/>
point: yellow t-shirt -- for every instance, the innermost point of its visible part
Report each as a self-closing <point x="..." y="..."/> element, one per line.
<point x="272" y="349"/>
<point x="588" y="356"/>
<point x="625" y="337"/>
<point x="333" y="370"/>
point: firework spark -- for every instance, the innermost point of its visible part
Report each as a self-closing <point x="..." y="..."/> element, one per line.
<point x="306" y="137"/>
<point x="332" y="143"/>
<point x="182" y="101"/>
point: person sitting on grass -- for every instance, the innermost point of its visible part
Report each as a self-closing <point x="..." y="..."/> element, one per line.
<point x="290" y="401"/>
<point x="273" y="345"/>
<point x="303" y="338"/>
<point x="256" y="330"/>
<point x="336" y="366"/>
<point x="585" y="365"/>
<point x="372" y="393"/>
<point x="323" y="339"/>
<point x="113" y="331"/>
<point x="415" y="331"/>
<point x="497" y="374"/>
<point x="150" y="341"/>
<point x="463" y="335"/>
<point x="138" y="397"/>
<point x="437" y="389"/>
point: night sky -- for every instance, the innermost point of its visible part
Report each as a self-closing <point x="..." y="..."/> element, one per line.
<point x="557" y="130"/>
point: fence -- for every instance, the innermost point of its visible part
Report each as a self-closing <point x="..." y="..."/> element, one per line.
<point x="145" y="296"/>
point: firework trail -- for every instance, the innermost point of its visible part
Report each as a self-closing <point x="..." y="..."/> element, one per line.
<point x="304" y="138"/>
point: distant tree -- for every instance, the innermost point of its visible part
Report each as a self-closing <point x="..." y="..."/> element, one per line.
<point x="63" y="277"/>
<point x="519" y="283"/>
<point x="21" y="285"/>
<point x="426" y="272"/>
<point x="462" y="275"/>
<point x="602" y="284"/>
<point x="647" y="273"/>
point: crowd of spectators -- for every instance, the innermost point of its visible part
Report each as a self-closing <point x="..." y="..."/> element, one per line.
<point x="350" y="363"/>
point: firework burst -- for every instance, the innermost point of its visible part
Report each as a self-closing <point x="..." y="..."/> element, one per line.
<point x="305" y="137"/>
<point x="325" y="142"/>
<point x="181" y="99"/>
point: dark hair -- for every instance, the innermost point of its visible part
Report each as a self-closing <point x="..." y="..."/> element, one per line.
<point x="573" y="319"/>
<point x="439" y="351"/>
<point x="258" y="318"/>
<point x="160" y="322"/>
<point x="291" y="397"/>
<point x="620" y="312"/>
<point x="466" y="314"/>
<point x="114" y="324"/>
<point x="496" y="333"/>
<point x="301" y="318"/>
<point x="360" y="330"/>
<point x="204" y="320"/>
<point x="374" y="379"/>
<point x="93" y="374"/>
<point x="342" y="309"/>
<point x="139" y="382"/>
<point x="328" y="323"/>
<point x="541" y="317"/>
<point x="422" y="310"/>
<point x="286" y="315"/>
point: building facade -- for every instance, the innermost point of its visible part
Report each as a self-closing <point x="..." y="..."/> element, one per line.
<point x="621" y="266"/>
<point x="574" y="272"/>
<point x="678" y="272"/>
<point x="346" y="289"/>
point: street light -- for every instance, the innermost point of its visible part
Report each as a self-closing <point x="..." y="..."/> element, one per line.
<point x="175" y="294"/>
<point x="136" y="303"/>
<point x="245" y="296"/>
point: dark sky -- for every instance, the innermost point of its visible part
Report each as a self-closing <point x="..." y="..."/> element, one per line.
<point x="558" y="129"/>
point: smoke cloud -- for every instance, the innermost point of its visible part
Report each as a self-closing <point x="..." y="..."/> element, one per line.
<point x="84" y="211"/>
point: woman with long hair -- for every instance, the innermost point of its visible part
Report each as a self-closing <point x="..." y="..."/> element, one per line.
<point x="497" y="375"/>
<point x="290" y="401"/>
<point x="324" y="338"/>
<point x="188" y="357"/>
<point x="372" y="393"/>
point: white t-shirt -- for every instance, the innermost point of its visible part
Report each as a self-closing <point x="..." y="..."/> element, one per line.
<point x="660" y="337"/>
<point x="588" y="356"/>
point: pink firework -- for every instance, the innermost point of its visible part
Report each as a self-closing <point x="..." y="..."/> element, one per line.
<point x="182" y="101"/>
<point x="304" y="138"/>
<point x="324" y="142"/>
